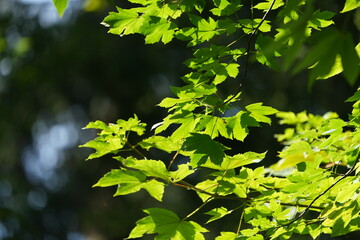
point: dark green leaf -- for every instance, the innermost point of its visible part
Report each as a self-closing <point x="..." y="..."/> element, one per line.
<point x="350" y="60"/>
<point x="204" y="147"/>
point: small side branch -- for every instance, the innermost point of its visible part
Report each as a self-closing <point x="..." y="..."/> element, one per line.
<point x="252" y="34"/>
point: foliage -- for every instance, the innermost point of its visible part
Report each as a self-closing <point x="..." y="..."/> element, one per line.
<point x="313" y="189"/>
<point x="60" y="6"/>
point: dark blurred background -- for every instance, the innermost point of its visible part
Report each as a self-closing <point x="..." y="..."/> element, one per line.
<point x="56" y="75"/>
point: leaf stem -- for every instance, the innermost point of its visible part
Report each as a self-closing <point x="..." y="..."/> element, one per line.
<point x="197" y="209"/>
<point x="136" y="150"/>
<point x="240" y="221"/>
<point x="173" y="159"/>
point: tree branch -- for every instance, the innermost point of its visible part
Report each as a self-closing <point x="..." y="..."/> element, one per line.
<point x="248" y="52"/>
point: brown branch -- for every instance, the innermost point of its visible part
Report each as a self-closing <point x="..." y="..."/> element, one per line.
<point x="173" y="159"/>
<point x="136" y="150"/>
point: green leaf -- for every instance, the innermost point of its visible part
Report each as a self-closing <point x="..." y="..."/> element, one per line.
<point x="132" y="124"/>
<point x="204" y="30"/>
<point x="167" y="225"/>
<point x="321" y="19"/>
<point x="335" y="69"/>
<point x="60" y="6"/>
<point x="296" y="153"/>
<point x="152" y="168"/>
<point x="265" y="54"/>
<point x="354" y="97"/>
<point x="154" y="188"/>
<point x="249" y="232"/>
<point x="170" y="102"/>
<point x="204" y="147"/>
<point x="237" y="126"/>
<point x="143" y="2"/>
<point x="163" y="143"/>
<point x="117" y="176"/>
<point x="97" y="125"/>
<point x="350" y="5"/>
<point x="124" y="22"/>
<point x="112" y="137"/>
<point x="350" y="59"/>
<point x="213" y="126"/>
<point x="226" y="8"/>
<point x="188" y="124"/>
<point x="103" y="147"/>
<point x="159" y="29"/>
<point x="217" y="213"/>
<point x="348" y="192"/>
<point x="266" y="5"/>
<point x="183" y="171"/>
<point x="232" y="162"/>
<point x="249" y="25"/>
<point x="259" y="112"/>
<point x="130" y="182"/>
<point x="227" y="236"/>
<point x="323" y="53"/>
<point x="221" y="188"/>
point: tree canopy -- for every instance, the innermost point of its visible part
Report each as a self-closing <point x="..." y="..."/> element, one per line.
<point x="312" y="189"/>
<point x="309" y="189"/>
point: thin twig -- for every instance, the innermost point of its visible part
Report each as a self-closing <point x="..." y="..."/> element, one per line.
<point x="173" y="159"/>
<point x="248" y="52"/>
<point x="136" y="150"/>
<point x="197" y="209"/>
<point x="240" y="221"/>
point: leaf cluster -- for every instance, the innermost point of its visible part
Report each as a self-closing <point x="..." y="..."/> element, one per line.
<point x="314" y="186"/>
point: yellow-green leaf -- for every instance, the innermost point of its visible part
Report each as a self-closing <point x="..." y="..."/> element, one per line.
<point x="350" y="5"/>
<point x="60" y="6"/>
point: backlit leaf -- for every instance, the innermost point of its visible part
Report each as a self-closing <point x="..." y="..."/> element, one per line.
<point x="227" y="236"/>
<point x="167" y="225"/>
<point x="232" y="162"/>
<point x="159" y="30"/>
<point x="152" y="168"/>
<point x="117" y="176"/>
<point x="60" y="6"/>
<point x="217" y="213"/>
<point x="267" y="3"/>
<point x="259" y="112"/>
<point x="350" y="5"/>
<point x="124" y="22"/>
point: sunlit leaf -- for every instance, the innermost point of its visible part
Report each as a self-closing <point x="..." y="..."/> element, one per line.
<point x="232" y="162"/>
<point x="60" y="6"/>
<point x="167" y="225"/>
<point x="153" y="168"/>
<point x="182" y="172"/>
<point x="350" y="5"/>
<point x="227" y="236"/>
<point x="217" y="213"/>
<point x="123" y="22"/>
<point x="260" y="112"/>
<point x="266" y="5"/>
